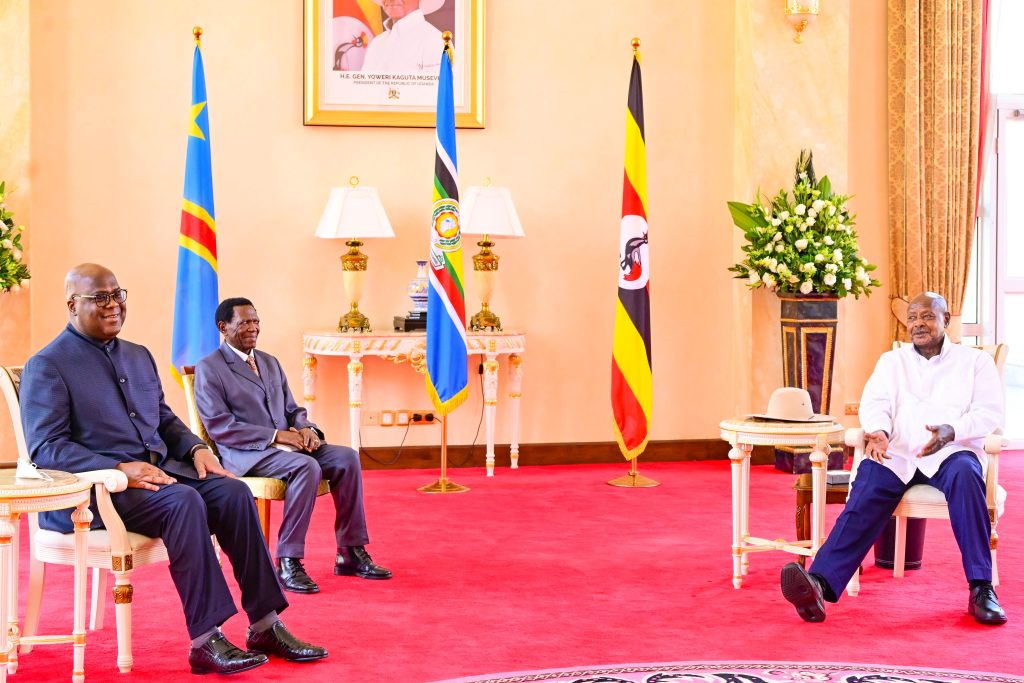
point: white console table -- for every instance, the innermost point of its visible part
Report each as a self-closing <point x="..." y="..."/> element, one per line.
<point x="400" y="347"/>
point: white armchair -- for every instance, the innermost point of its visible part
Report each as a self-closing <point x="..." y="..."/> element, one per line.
<point x="928" y="502"/>
<point x="113" y="548"/>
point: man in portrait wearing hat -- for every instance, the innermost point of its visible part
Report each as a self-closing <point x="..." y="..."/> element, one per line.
<point x="409" y="44"/>
<point x="926" y="410"/>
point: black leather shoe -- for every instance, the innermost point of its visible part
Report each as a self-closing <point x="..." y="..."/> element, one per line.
<point x="278" y="641"/>
<point x="984" y="606"/>
<point x="804" y="591"/>
<point x="218" y="656"/>
<point x="355" y="561"/>
<point x="293" y="576"/>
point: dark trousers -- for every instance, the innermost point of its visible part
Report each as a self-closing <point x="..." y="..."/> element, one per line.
<point x="875" y="494"/>
<point x="339" y="465"/>
<point x="184" y="515"/>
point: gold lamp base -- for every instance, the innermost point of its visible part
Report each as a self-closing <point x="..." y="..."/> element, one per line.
<point x="354" y="321"/>
<point x="486" y="319"/>
<point x="443" y="485"/>
<point x="634" y="480"/>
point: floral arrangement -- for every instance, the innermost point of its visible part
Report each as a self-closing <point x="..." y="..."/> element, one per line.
<point x="13" y="271"/>
<point x="804" y="243"/>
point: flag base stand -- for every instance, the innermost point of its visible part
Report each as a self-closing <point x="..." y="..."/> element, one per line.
<point x="634" y="479"/>
<point x="443" y="485"/>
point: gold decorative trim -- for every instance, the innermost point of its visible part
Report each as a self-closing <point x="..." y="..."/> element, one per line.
<point x="123" y="594"/>
<point x="115" y="563"/>
<point x="515" y="395"/>
<point x="809" y="320"/>
<point x="309" y="362"/>
<point x="826" y="377"/>
<point x="78" y="638"/>
<point x="490" y="402"/>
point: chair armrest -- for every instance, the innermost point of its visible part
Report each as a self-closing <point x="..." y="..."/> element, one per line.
<point x="855" y="437"/>
<point x="104" y="483"/>
<point x="114" y="481"/>
<point x="994" y="443"/>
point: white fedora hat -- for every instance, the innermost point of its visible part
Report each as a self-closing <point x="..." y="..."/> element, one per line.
<point x="791" y="404"/>
<point x="427" y="6"/>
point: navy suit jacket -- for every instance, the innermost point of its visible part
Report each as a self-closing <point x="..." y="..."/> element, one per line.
<point x="242" y="411"/>
<point x="87" y="405"/>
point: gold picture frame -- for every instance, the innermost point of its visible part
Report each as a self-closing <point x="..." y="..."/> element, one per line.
<point x="337" y="91"/>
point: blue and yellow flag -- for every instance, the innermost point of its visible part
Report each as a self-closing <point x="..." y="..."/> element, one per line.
<point x="195" y="301"/>
<point x="447" y="380"/>
<point x="632" y="381"/>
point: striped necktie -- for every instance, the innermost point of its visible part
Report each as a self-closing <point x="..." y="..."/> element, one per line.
<point x="252" y="364"/>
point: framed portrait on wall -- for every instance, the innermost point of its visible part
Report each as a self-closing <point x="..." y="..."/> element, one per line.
<point x="376" y="62"/>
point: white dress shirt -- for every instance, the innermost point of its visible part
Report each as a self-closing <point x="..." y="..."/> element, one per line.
<point x="411" y="45"/>
<point x="960" y="387"/>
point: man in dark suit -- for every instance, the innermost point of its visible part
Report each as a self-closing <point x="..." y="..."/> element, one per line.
<point x="92" y="401"/>
<point x="248" y="410"/>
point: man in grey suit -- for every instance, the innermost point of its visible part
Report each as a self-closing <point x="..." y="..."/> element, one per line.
<point x="91" y="400"/>
<point x="248" y="410"/>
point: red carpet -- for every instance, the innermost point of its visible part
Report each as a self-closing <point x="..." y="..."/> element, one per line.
<point x="550" y="567"/>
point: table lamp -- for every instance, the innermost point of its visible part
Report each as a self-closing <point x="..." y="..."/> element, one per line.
<point x="351" y="213"/>
<point x="488" y="211"/>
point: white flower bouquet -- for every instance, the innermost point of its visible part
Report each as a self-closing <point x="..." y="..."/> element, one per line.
<point x="804" y="243"/>
<point x="13" y="271"/>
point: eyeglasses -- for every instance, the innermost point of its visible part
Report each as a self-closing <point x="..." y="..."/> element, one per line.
<point x="103" y="298"/>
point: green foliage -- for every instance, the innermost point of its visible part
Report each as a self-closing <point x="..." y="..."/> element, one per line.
<point x="13" y="272"/>
<point x="804" y="242"/>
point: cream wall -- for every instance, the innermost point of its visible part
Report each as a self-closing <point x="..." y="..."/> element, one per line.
<point x="14" y="169"/>
<point x="109" y="96"/>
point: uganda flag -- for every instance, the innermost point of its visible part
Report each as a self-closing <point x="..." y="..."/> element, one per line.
<point x="631" y="349"/>
<point x="195" y="298"/>
<point x="447" y="376"/>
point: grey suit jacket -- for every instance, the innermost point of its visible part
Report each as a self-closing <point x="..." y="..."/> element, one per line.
<point x="240" y="410"/>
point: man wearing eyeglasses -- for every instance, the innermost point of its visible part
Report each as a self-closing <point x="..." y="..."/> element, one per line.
<point x="93" y="401"/>
<point x="248" y="410"/>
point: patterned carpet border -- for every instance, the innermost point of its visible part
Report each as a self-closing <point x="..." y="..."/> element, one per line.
<point x="743" y="672"/>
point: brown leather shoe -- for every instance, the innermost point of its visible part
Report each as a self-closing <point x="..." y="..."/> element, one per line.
<point x="278" y="641"/>
<point x="218" y="656"/>
<point x="355" y="561"/>
<point x="804" y="591"/>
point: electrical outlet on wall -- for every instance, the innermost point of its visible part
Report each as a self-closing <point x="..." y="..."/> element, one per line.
<point x="387" y="418"/>
<point x="424" y="417"/>
<point x="402" y="417"/>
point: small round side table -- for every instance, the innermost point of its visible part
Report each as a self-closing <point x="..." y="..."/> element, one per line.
<point x="20" y="496"/>
<point x="743" y="434"/>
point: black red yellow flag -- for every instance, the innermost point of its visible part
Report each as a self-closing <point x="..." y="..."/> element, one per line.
<point x="631" y="349"/>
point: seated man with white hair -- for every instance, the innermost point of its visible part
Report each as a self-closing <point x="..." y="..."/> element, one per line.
<point x="925" y="411"/>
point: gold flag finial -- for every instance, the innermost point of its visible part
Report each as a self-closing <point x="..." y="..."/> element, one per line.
<point x="197" y="31"/>
<point x="447" y="36"/>
<point x="636" y="45"/>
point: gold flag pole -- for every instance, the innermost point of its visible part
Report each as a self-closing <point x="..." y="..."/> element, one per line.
<point x="197" y="33"/>
<point x="442" y="485"/>
<point x="634" y="479"/>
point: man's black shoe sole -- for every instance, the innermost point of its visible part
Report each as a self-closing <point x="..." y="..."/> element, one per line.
<point x="798" y="589"/>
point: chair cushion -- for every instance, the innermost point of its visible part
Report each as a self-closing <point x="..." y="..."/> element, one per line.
<point x="273" y="489"/>
<point x="97" y="539"/>
<point x="923" y="494"/>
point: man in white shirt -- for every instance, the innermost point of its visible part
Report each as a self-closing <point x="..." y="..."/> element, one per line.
<point x="410" y="44"/>
<point x="926" y="410"/>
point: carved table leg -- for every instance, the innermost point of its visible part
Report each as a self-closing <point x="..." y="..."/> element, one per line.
<point x="82" y="517"/>
<point x="515" y="384"/>
<point x="736" y="455"/>
<point x="12" y="614"/>
<point x="490" y="402"/>
<point x="819" y="456"/>
<point x="355" y="394"/>
<point x="309" y="384"/>
<point x="6" y="585"/>
<point x="745" y="504"/>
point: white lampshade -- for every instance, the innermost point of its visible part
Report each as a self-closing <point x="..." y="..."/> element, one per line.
<point x="353" y="212"/>
<point x="488" y="210"/>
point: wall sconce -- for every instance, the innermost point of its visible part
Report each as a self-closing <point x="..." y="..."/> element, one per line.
<point x="800" y="13"/>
